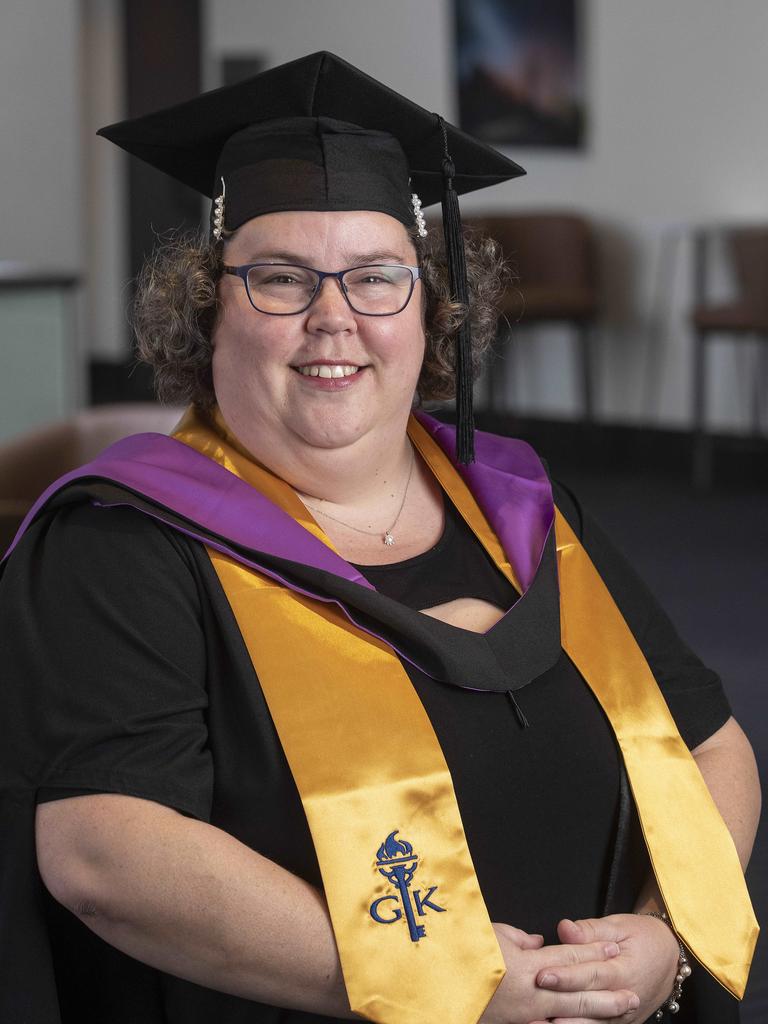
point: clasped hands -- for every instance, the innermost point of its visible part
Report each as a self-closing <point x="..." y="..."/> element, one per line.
<point x="615" y="970"/>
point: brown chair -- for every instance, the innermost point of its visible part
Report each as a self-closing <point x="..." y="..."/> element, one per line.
<point x="746" y="318"/>
<point x="32" y="461"/>
<point x="554" y="261"/>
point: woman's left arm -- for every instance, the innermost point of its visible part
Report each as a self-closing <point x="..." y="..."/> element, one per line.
<point x="729" y="768"/>
<point x="648" y="960"/>
<point x="727" y="764"/>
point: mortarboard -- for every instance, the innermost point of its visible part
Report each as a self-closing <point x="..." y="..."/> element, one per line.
<point x="319" y="134"/>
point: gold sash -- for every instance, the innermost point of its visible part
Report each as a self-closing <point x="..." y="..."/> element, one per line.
<point x="367" y="763"/>
<point x="691" y="851"/>
<point x="414" y="937"/>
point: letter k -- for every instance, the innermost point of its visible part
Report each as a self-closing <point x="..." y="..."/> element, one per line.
<point x="426" y="901"/>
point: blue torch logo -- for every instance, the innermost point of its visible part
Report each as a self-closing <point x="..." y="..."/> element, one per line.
<point x="397" y="862"/>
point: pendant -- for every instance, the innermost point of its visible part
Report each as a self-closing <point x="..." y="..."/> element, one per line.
<point x="388" y="539"/>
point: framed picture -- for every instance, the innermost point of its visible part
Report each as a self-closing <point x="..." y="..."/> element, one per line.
<point x="521" y="71"/>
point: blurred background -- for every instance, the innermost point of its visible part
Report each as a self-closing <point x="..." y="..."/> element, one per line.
<point x="633" y="351"/>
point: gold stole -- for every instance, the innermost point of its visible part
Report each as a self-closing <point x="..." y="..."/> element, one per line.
<point x="413" y="933"/>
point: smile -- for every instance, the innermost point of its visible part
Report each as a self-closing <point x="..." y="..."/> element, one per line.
<point x="328" y="371"/>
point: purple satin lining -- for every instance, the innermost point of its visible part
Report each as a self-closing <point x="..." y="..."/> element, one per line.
<point x="507" y="480"/>
<point x="511" y="487"/>
<point x="172" y="474"/>
<point x="290" y="584"/>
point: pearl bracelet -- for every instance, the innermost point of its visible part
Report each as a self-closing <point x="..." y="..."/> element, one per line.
<point x="683" y="971"/>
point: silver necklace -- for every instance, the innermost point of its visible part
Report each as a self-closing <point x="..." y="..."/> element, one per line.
<point x="387" y="537"/>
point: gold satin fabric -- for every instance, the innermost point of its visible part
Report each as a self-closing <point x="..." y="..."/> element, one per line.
<point x="461" y="496"/>
<point x="690" y="849"/>
<point x="366" y="761"/>
<point x="214" y="439"/>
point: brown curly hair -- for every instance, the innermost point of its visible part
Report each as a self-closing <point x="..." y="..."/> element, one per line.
<point x="175" y="309"/>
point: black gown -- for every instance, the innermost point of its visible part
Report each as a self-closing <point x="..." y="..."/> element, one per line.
<point x="126" y="672"/>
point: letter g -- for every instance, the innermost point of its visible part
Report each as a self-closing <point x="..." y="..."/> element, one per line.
<point x="374" y="911"/>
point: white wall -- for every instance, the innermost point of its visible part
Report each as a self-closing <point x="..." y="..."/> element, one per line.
<point x="41" y="204"/>
<point x="40" y="168"/>
<point x="406" y="43"/>
<point x="105" y="174"/>
<point x="676" y="94"/>
<point x="677" y="135"/>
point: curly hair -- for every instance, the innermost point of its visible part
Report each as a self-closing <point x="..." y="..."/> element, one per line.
<point x="176" y="305"/>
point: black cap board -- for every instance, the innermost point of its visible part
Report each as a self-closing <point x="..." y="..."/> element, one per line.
<point x="319" y="134"/>
<point x="187" y="139"/>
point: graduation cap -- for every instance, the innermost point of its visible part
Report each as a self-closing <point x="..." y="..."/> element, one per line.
<point x="319" y="134"/>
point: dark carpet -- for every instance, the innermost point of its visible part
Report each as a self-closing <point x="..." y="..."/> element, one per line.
<point x="706" y="558"/>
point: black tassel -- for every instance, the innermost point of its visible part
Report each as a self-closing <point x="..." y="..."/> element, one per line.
<point x="457" y="274"/>
<point x="522" y="721"/>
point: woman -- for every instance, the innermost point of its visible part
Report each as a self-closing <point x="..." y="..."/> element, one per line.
<point x="292" y="739"/>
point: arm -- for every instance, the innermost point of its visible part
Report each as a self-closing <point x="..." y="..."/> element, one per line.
<point x="190" y="900"/>
<point x="727" y="762"/>
<point x="649" y="949"/>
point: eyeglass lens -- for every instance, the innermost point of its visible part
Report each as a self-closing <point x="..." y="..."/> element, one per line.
<point x="375" y="290"/>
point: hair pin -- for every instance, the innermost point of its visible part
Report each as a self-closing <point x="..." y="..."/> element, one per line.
<point x="421" y="225"/>
<point x="218" y="213"/>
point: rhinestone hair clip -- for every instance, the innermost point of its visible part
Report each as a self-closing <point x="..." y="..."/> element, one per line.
<point x="421" y="226"/>
<point x="218" y="213"/>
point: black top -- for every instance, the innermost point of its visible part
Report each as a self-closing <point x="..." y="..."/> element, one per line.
<point x="456" y="565"/>
<point x="126" y="673"/>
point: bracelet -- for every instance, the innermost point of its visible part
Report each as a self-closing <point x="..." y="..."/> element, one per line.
<point x="683" y="971"/>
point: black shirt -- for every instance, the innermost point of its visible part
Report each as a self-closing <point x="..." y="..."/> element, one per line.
<point x="126" y="672"/>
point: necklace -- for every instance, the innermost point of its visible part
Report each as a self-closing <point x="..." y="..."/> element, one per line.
<point x="388" y="537"/>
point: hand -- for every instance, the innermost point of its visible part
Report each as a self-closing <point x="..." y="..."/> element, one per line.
<point x="646" y="964"/>
<point x="518" y="999"/>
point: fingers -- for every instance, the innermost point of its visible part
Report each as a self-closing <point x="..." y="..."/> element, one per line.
<point x="592" y="929"/>
<point x="588" y="1007"/>
<point x="625" y="1018"/>
<point x="573" y="954"/>
<point x="581" y="977"/>
<point x="519" y="938"/>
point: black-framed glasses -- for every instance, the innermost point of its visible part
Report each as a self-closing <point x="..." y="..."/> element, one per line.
<point x="283" y="289"/>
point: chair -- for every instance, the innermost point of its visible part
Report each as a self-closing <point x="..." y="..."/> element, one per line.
<point x="744" y="319"/>
<point x="554" y="260"/>
<point x="29" y="463"/>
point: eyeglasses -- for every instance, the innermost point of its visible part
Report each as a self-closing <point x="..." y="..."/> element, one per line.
<point x="283" y="289"/>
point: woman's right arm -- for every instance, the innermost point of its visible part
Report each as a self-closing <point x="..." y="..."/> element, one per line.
<point x="191" y="900"/>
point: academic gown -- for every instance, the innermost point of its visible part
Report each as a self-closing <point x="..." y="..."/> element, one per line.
<point x="126" y="672"/>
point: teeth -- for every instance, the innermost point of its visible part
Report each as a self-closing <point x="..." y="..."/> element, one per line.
<point x="324" y="370"/>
